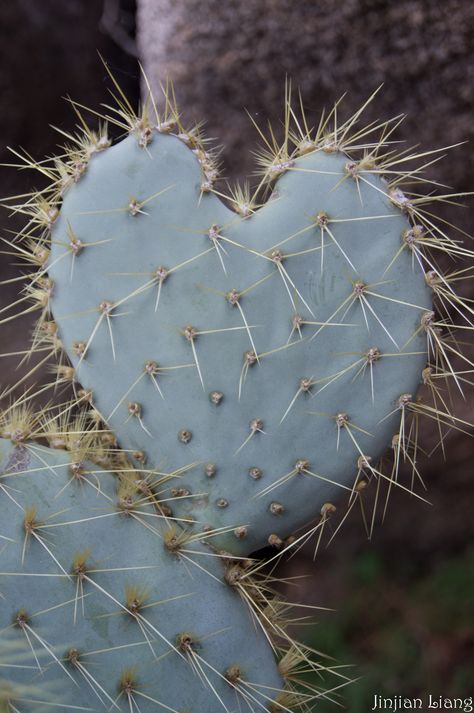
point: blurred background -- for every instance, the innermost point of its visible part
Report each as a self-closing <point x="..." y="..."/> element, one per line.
<point x="404" y="614"/>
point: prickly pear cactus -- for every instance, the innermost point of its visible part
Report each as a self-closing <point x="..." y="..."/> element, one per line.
<point x="263" y="354"/>
<point x="255" y="362"/>
<point x="109" y="605"/>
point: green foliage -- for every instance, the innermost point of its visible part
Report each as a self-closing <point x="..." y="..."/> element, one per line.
<point x="406" y="635"/>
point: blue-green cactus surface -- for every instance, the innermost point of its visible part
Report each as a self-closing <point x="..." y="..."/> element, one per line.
<point x="102" y="610"/>
<point x="267" y="352"/>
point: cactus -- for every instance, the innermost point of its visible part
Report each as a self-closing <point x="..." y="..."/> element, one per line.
<point x="112" y="604"/>
<point x="269" y="349"/>
<point x="254" y="362"/>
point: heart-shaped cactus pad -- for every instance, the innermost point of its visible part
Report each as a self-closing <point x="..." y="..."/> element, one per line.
<point x="257" y="358"/>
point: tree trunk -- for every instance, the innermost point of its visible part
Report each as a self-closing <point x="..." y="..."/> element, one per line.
<point x="227" y="56"/>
